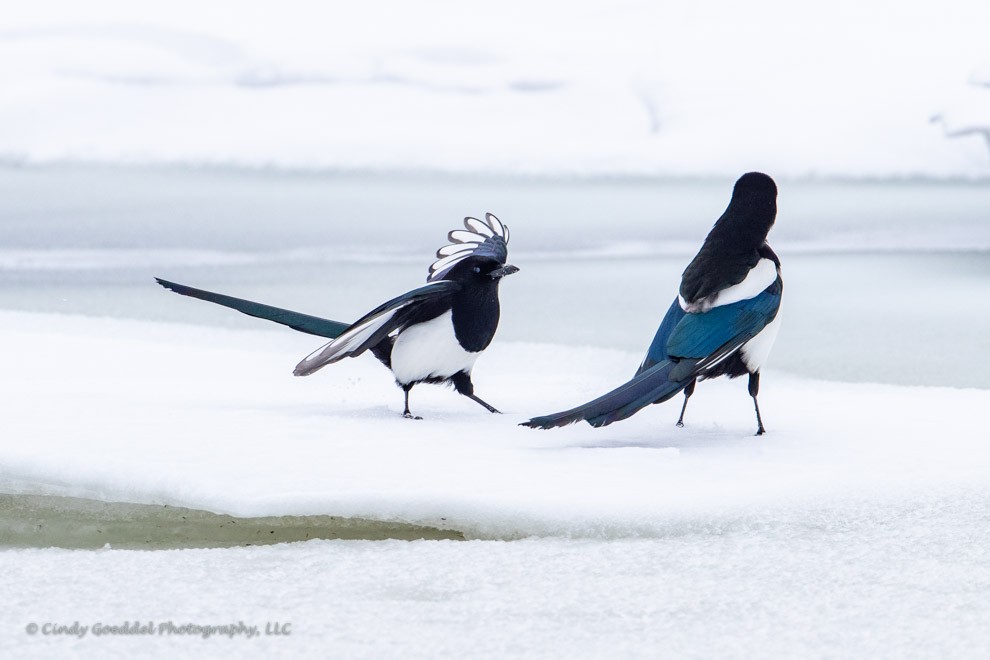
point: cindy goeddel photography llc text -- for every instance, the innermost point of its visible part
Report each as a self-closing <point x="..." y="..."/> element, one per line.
<point x="159" y="629"/>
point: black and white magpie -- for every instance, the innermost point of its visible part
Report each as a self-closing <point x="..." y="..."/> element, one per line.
<point x="432" y="334"/>
<point x="723" y="323"/>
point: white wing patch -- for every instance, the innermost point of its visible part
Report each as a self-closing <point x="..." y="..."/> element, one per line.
<point x="448" y="250"/>
<point x="445" y="263"/>
<point x="346" y="343"/>
<point x="757" y="280"/>
<point x="352" y="339"/>
<point x="465" y="242"/>
<point x="478" y="227"/>
<point x="462" y="236"/>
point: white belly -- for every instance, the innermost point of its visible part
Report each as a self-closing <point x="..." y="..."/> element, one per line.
<point x="756" y="351"/>
<point x="430" y="350"/>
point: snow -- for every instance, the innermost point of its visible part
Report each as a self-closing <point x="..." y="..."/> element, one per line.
<point x="855" y="528"/>
<point x="909" y="585"/>
<point x="212" y="419"/>
<point x="712" y="88"/>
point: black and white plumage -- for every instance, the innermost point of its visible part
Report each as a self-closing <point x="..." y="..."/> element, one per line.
<point x="432" y="334"/>
<point x="723" y="323"/>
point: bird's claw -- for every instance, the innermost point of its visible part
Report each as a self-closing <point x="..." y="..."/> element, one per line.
<point x="409" y="415"/>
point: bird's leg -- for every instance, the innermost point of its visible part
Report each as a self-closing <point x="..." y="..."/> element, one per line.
<point x="760" y="430"/>
<point x="489" y="407"/>
<point x="754" y="389"/>
<point x="688" y="391"/>
<point x="406" y="413"/>
<point x="463" y="385"/>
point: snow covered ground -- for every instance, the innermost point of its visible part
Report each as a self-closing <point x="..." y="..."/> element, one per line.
<point x="212" y="419"/>
<point x="643" y="87"/>
<point x="909" y="585"/>
<point x="856" y="527"/>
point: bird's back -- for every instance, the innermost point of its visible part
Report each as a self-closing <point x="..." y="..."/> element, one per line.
<point x="732" y="248"/>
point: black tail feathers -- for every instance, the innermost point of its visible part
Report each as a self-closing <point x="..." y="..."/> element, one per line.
<point x="651" y="386"/>
<point x="312" y="325"/>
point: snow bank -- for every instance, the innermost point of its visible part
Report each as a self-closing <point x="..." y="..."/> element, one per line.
<point x="647" y="88"/>
<point x="212" y="419"/>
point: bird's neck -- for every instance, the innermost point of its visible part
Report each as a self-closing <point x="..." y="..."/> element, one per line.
<point x="740" y="233"/>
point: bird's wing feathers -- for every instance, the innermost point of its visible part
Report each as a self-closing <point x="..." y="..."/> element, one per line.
<point x="708" y="273"/>
<point x="685" y="345"/>
<point x="756" y="279"/>
<point x="374" y="326"/>
<point x="658" y="349"/>
<point x="701" y="335"/>
<point x="701" y="328"/>
<point x="312" y="325"/>
<point x="479" y="238"/>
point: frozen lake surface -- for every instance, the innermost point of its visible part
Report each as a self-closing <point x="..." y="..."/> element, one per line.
<point x="882" y="278"/>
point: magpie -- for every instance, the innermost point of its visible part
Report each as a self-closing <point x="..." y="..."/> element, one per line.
<point x="432" y="334"/>
<point x="723" y="322"/>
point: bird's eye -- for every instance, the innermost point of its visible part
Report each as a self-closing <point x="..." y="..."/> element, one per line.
<point x="476" y="269"/>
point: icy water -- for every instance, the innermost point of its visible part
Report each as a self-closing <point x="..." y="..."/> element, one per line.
<point x="884" y="281"/>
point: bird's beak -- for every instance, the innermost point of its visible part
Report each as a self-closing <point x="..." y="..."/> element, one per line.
<point x="499" y="273"/>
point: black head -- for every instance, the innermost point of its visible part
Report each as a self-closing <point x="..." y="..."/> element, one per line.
<point x="753" y="207"/>
<point x="480" y="271"/>
<point x="484" y="241"/>
<point x="755" y="183"/>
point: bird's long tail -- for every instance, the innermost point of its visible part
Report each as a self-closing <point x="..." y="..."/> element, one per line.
<point x="312" y="325"/>
<point x="651" y="386"/>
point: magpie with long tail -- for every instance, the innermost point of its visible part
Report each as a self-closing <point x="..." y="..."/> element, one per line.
<point x="432" y="334"/>
<point x="723" y="323"/>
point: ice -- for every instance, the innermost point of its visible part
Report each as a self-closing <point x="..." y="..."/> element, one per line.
<point x="651" y="89"/>
<point x="105" y="259"/>
<point x="872" y="269"/>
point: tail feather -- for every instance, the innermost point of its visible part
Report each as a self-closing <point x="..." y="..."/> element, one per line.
<point x="312" y="325"/>
<point x="650" y="386"/>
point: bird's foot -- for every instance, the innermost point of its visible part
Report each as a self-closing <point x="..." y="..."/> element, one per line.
<point x="679" y="424"/>
<point x="760" y="431"/>
<point x="409" y="415"/>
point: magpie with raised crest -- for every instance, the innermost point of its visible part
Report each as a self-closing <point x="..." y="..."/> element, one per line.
<point x="432" y="334"/>
<point x="723" y="323"/>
